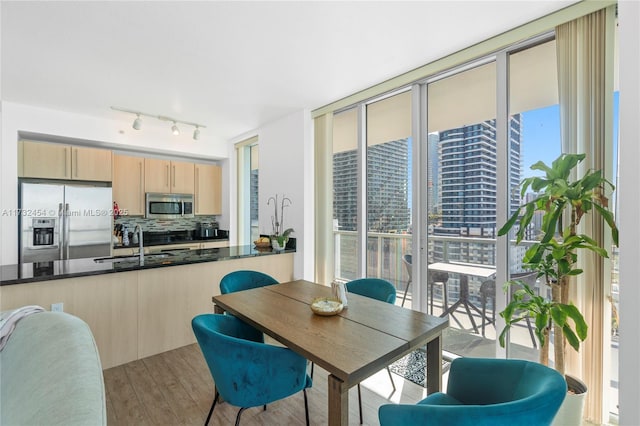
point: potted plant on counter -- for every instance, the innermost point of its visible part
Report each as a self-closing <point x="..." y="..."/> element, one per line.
<point x="564" y="202"/>
<point x="279" y="235"/>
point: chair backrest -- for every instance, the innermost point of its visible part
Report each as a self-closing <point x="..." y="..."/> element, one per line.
<point x="247" y="373"/>
<point x="408" y="259"/>
<point x="483" y="391"/>
<point x="244" y="280"/>
<point x="375" y="288"/>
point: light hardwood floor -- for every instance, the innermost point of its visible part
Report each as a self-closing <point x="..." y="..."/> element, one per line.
<point x="175" y="388"/>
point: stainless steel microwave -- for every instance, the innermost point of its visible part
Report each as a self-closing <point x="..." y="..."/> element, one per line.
<point x="168" y="206"/>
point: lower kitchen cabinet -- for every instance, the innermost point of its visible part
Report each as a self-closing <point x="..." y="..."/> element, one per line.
<point x="137" y="314"/>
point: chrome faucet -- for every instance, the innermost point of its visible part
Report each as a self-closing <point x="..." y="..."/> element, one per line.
<point x="138" y="230"/>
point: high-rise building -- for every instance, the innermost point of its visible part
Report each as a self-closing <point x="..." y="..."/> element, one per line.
<point x="467" y="190"/>
<point x="388" y="183"/>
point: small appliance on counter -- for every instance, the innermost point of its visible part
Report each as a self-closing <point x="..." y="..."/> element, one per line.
<point x="206" y="230"/>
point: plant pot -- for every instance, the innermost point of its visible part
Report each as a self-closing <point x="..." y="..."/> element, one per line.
<point x="276" y="246"/>
<point x="572" y="408"/>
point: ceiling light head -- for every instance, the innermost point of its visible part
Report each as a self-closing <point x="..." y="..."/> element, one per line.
<point x="196" y="133"/>
<point x="174" y="129"/>
<point x="137" y="123"/>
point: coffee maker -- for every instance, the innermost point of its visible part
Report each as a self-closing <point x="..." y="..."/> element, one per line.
<point x="206" y="229"/>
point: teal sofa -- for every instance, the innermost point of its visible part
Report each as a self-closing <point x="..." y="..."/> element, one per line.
<point x="50" y="373"/>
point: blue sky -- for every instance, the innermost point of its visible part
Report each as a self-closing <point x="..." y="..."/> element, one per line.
<point x="541" y="136"/>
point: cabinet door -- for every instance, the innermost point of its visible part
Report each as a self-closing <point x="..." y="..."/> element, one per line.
<point x="157" y="175"/>
<point x="44" y="160"/>
<point x="208" y="189"/>
<point x="214" y="244"/>
<point x="182" y="177"/>
<point x="91" y="164"/>
<point x="128" y="183"/>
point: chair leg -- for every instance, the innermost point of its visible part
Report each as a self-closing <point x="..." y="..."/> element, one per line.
<point x="360" y="403"/>
<point x="405" y="292"/>
<point x="212" y="407"/>
<point x="312" y="364"/>
<point x="391" y="378"/>
<point x="306" y="406"/>
<point x="238" y="416"/>
<point x="431" y="296"/>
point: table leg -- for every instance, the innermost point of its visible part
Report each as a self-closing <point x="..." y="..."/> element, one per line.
<point x="434" y="365"/>
<point x="338" y="402"/>
<point x="217" y="309"/>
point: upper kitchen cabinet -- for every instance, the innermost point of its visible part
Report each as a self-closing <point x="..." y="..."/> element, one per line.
<point x="128" y="183"/>
<point x="168" y="176"/>
<point x="208" y="197"/>
<point x="90" y="164"/>
<point x="57" y="161"/>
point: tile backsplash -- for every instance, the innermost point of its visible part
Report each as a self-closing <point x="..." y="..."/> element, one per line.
<point x="158" y="225"/>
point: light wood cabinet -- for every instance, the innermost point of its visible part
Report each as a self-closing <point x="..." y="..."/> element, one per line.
<point x="128" y="184"/>
<point x="91" y="164"/>
<point x="56" y="161"/>
<point x="136" y="314"/>
<point x="208" y="189"/>
<point x="214" y="244"/>
<point x="44" y="160"/>
<point x="166" y="176"/>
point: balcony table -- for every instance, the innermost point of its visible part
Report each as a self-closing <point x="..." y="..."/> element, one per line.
<point x="464" y="270"/>
<point x="351" y="346"/>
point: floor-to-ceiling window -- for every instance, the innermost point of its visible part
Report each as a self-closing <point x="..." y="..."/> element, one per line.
<point x="388" y="189"/>
<point x="487" y="122"/>
<point x="345" y="194"/>
<point x="248" y="173"/>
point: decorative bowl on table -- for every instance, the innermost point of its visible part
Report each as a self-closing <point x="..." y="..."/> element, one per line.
<point x="326" y="306"/>
<point x="262" y="245"/>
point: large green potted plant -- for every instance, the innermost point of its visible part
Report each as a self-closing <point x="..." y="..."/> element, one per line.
<point x="564" y="202"/>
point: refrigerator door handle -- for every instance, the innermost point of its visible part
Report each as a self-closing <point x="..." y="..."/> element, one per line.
<point x="61" y="230"/>
<point x="66" y="231"/>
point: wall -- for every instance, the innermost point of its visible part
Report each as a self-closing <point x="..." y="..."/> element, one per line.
<point x="113" y="133"/>
<point x="286" y="168"/>
<point x="629" y="191"/>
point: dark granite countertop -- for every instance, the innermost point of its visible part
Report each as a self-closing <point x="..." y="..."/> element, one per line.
<point x="58" y="269"/>
<point x="174" y="237"/>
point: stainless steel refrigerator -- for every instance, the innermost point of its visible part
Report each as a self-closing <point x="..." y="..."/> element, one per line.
<point x="64" y="221"/>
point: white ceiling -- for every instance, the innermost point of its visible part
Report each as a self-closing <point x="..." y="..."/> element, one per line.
<point x="232" y="66"/>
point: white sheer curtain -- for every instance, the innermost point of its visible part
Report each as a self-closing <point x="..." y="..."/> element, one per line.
<point x="585" y="82"/>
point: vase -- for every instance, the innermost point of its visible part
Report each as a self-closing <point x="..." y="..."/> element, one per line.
<point x="276" y="246"/>
<point x="572" y="408"/>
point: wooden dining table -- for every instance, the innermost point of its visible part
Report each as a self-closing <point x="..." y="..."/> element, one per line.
<point x="361" y="340"/>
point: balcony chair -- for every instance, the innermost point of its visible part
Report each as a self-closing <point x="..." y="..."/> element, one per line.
<point x="435" y="277"/>
<point x="484" y="391"/>
<point x="488" y="292"/>
<point x="378" y="289"/>
<point x="246" y="372"/>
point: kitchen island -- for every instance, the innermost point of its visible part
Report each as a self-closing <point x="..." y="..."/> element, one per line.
<point x="137" y="310"/>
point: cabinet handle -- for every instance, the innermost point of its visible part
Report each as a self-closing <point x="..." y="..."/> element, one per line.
<point x="141" y="202"/>
<point x="75" y="162"/>
<point x="197" y="191"/>
<point x="65" y="166"/>
<point x="174" y="175"/>
<point x="167" y="175"/>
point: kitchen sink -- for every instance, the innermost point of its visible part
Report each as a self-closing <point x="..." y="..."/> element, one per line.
<point x="135" y="257"/>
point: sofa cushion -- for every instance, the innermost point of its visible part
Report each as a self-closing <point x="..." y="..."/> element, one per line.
<point x="50" y="373"/>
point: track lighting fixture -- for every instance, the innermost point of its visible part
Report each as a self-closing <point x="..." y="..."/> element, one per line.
<point x="137" y="123"/>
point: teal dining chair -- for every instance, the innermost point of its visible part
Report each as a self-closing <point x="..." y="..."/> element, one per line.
<point x="379" y="289"/>
<point x="246" y="372"/>
<point x="486" y="392"/>
<point x="244" y="280"/>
